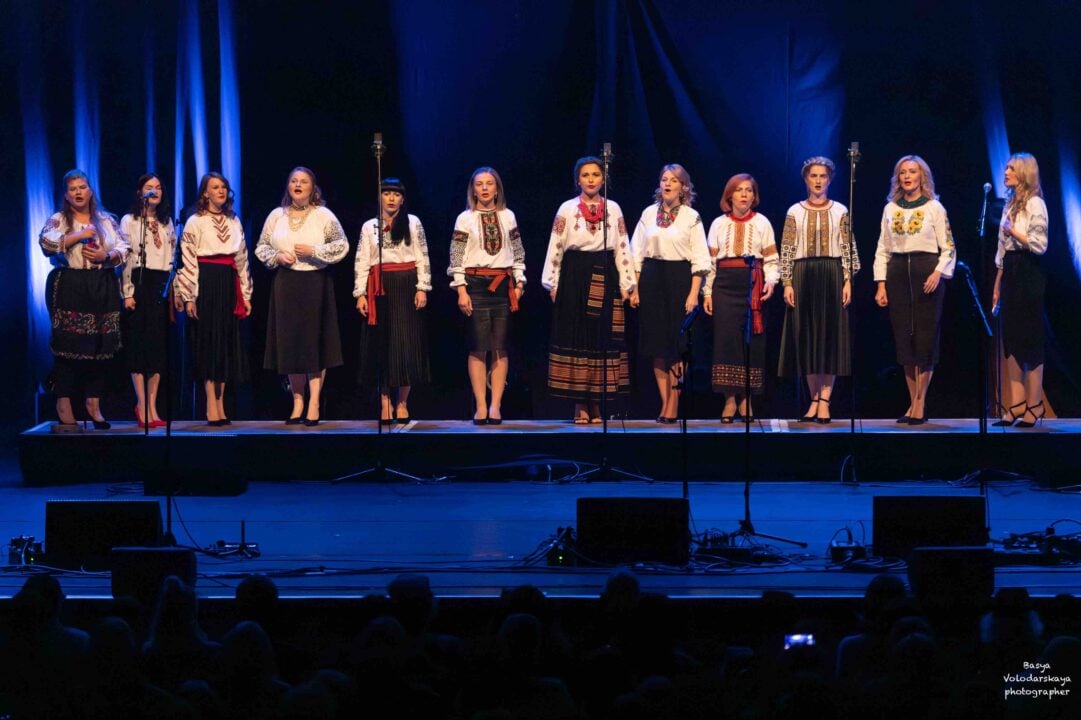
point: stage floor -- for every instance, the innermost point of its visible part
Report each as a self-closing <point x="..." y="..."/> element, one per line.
<point x="545" y="449"/>
<point x="319" y="539"/>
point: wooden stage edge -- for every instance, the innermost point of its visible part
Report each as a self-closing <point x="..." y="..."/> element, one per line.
<point x="202" y="458"/>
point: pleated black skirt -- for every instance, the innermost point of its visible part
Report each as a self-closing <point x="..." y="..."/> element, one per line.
<point x="487" y="327"/>
<point x="1021" y="303"/>
<point x="662" y="290"/>
<point x="217" y="353"/>
<point x="815" y="336"/>
<point x="730" y="287"/>
<point x="916" y="316"/>
<point x="146" y="327"/>
<point x="399" y="343"/>
<point x="588" y="347"/>
<point x="302" y="323"/>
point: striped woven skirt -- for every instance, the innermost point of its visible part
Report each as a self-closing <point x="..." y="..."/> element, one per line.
<point x="730" y="287"/>
<point x="588" y="347"/>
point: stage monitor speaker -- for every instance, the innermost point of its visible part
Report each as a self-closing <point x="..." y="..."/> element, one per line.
<point x="139" y="571"/>
<point x="615" y="531"/>
<point x="904" y="522"/>
<point x="81" y="534"/>
<point x="947" y="576"/>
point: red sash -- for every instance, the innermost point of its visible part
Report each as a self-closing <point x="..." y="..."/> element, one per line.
<point x="498" y="275"/>
<point x="239" y="310"/>
<point x="375" y="283"/>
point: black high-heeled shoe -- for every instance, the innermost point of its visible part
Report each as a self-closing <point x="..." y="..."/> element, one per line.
<point x="1014" y="417"/>
<point x="1031" y="410"/>
<point x="105" y="424"/>
<point x="826" y="420"/>
<point x="811" y="418"/>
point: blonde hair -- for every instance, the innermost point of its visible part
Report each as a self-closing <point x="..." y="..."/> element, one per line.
<point x="1028" y="182"/>
<point x="688" y="195"/>
<point x="818" y="160"/>
<point x="470" y="196"/>
<point x="927" y="181"/>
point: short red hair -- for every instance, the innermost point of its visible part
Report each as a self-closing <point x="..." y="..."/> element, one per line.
<point x="730" y="190"/>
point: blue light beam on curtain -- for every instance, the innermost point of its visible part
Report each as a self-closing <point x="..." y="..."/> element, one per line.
<point x="39" y="200"/>
<point x="148" y="83"/>
<point x="1070" y="181"/>
<point x="230" y="102"/>
<point x="87" y="118"/>
<point x="192" y="46"/>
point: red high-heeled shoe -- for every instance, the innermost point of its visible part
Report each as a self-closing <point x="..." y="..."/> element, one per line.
<point x="139" y="418"/>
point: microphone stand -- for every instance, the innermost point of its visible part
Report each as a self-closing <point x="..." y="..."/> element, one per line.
<point x="685" y="386"/>
<point x="607" y="310"/>
<point x="982" y="345"/>
<point x="382" y="357"/>
<point x="746" y="527"/>
<point x="854" y="157"/>
<point x="142" y="266"/>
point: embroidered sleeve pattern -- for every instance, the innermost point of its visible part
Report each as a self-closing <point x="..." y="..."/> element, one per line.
<point x="624" y="261"/>
<point x="424" y="265"/>
<point x="264" y="248"/>
<point x="1037" y="226"/>
<point x="554" y="258"/>
<point x="51" y="236"/>
<point x="362" y="263"/>
<point x="518" y="250"/>
<point x="335" y="245"/>
<point x="788" y="249"/>
<point x="850" y="259"/>
<point x="241" y="260"/>
<point x="187" y="281"/>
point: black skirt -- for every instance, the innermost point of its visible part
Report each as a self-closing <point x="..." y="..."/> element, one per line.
<point x="146" y="328"/>
<point x="587" y="333"/>
<point x="916" y="316"/>
<point x="217" y="353"/>
<point x="488" y="325"/>
<point x="730" y="298"/>
<point x="1021" y="303"/>
<point x="402" y="334"/>
<point x="302" y="323"/>
<point x="84" y="306"/>
<point x="663" y="287"/>
<point x="815" y="336"/>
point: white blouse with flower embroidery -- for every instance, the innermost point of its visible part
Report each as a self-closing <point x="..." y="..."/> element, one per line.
<point x="921" y="229"/>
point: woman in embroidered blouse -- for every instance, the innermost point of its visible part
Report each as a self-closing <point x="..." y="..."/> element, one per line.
<point x="818" y="259"/>
<point x="1019" y="289"/>
<point x="149" y="228"/>
<point x="577" y="270"/>
<point x="300" y="239"/>
<point x="915" y="253"/>
<point x="392" y="296"/>
<point x="215" y="286"/>
<point x="487" y="267"/>
<point x="739" y="235"/>
<point x="670" y="259"/>
<point x="84" y="244"/>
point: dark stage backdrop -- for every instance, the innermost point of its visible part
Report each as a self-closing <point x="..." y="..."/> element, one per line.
<point x="721" y="87"/>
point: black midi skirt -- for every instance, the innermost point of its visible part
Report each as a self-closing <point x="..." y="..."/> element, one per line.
<point x="399" y="342"/>
<point x="663" y="287"/>
<point x="487" y="327"/>
<point x="217" y="353"/>
<point x="815" y="336"/>
<point x="146" y="328"/>
<point x="1021" y="303"/>
<point x="302" y="323"/>
<point x="730" y="298"/>
<point x="916" y="316"/>
<point x="588" y="348"/>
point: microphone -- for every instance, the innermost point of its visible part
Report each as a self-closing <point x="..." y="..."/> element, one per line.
<point x="149" y="194"/>
<point x="377" y="145"/>
<point x="983" y="209"/>
<point x="854" y="152"/>
<point x="689" y="320"/>
<point x="606" y="152"/>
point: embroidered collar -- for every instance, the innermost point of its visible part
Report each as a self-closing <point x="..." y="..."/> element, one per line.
<point x="666" y="217"/>
<point x="745" y="218"/>
<point x="910" y="204"/>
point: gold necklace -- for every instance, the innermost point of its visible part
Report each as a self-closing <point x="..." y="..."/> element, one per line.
<point x="295" y="223"/>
